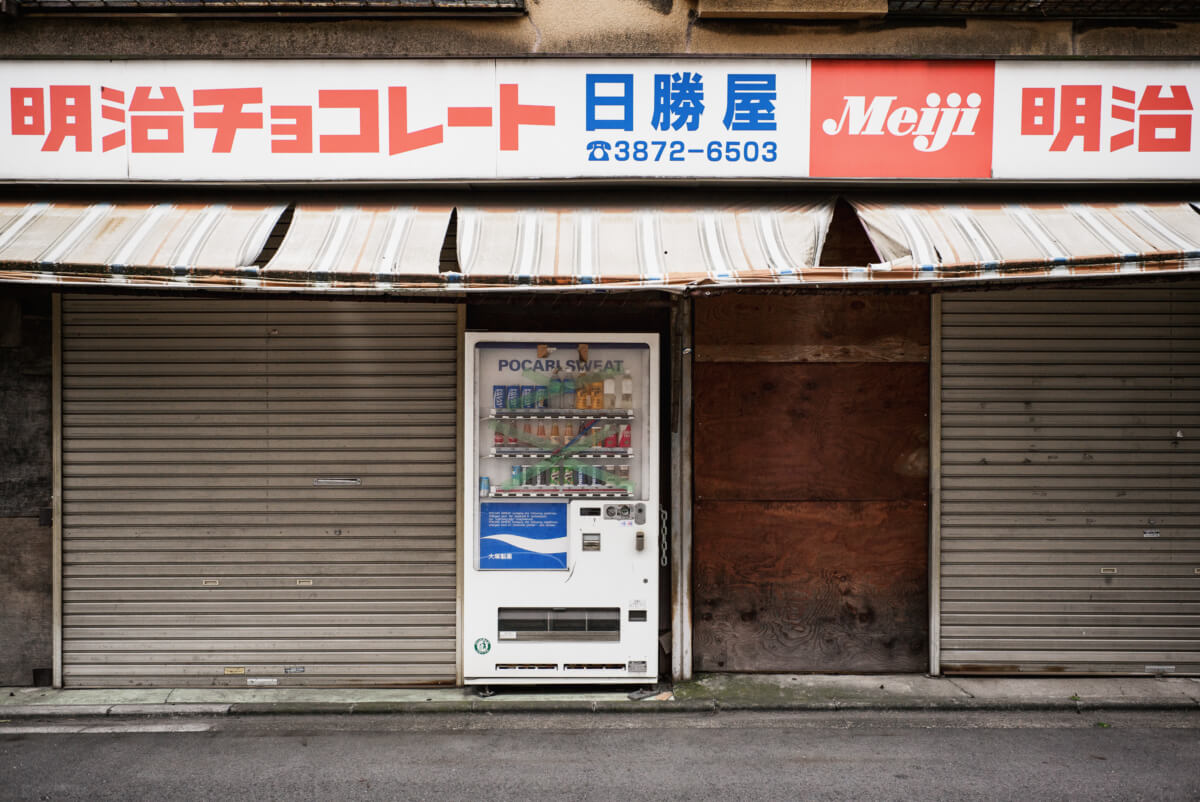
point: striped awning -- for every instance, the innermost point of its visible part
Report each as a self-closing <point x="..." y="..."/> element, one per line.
<point x="384" y="246"/>
<point x="610" y="244"/>
<point x="991" y="240"/>
<point x="141" y="243"/>
<point x="627" y="245"/>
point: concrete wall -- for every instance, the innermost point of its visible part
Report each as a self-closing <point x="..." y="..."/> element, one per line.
<point x="25" y="485"/>
<point x="589" y="27"/>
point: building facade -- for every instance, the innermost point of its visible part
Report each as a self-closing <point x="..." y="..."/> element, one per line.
<point x="927" y="404"/>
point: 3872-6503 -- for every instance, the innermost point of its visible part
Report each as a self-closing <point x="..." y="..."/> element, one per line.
<point x="660" y="150"/>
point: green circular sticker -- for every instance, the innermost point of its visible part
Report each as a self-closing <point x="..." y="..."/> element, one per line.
<point x="483" y="646"/>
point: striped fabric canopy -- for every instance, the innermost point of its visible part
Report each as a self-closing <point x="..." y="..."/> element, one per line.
<point x="980" y="240"/>
<point x="669" y="246"/>
<point x="640" y="245"/>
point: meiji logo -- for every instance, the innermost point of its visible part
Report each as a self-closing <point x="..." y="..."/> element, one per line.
<point x="930" y="126"/>
<point x="901" y="119"/>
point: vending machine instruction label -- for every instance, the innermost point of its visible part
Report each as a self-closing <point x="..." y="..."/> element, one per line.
<point x="517" y="536"/>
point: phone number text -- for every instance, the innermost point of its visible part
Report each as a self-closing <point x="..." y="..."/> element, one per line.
<point x="641" y="150"/>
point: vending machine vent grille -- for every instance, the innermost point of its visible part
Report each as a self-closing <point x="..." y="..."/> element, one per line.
<point x="560" y="623"/>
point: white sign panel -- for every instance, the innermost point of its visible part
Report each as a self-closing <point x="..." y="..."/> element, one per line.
<point x="1096" y="120"/>
<point x="402" y="120"/>
<point x="669" y="118"/>
<point x="488" y="119"/>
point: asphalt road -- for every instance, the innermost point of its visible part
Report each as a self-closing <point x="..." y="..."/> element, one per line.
<point x="721" y="756"/>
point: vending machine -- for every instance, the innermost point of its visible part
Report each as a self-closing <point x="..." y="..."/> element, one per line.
<point x="561" y="551"/>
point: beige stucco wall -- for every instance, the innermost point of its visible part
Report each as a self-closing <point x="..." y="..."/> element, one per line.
<point x="586" y="28"/>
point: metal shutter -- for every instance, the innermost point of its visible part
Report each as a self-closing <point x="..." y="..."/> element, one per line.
<point x="1070" y="481"/>
<point x="203" y="543"/>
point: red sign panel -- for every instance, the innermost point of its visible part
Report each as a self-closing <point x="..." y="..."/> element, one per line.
<point x="887" y="119"/>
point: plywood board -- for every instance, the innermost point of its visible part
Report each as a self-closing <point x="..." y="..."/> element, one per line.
<point x="811" y="432"/>
<point x="814" y="586"/>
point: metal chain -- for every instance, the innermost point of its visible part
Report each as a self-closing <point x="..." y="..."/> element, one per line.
<point x="663" y="537"/>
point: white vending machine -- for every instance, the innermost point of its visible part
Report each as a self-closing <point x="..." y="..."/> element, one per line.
<point x="561" y="551"/>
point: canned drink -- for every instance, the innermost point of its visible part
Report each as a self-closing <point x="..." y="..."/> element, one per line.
<point x="512" y="398"/>
<point x="610" y="436"/>
<point x="541" y="396"/>
<point x="527" y="396"/>
<point x="556" y="475"/>
<point x="570" y="477"/>
<point x="485" y="486"/>
<point x="499" y="392"/>
<point x="518" y="475"/>
<point x="585" y="475"/>
<point x="543" y="476"/>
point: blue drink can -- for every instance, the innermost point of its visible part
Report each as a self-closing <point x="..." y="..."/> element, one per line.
<point x="518" y="475"/>
<point x="512" y="398"/>
<point x="499" y="392"/>
<point x="528" y="393"/>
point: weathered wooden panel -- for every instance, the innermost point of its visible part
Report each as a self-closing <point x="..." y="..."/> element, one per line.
<point x="812" y="328"/>
<point x="813" y="586"/>
<point x="811" y="432"/>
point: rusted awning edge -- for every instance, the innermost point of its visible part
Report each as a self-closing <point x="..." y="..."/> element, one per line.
<point x="445" y="285"/>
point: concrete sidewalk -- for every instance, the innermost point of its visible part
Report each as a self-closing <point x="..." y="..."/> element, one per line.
<point x="712" y="692"/>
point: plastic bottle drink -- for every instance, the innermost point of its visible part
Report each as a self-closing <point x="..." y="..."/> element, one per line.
<point x="597" y="390"/>
<point x="555" y="393"/>
<point x="626" y="391"/>
<point x="555" y="436"/>
<point x="527" y="434"/>
<point x="610" y="393"/>
<point x="569" y="394"/>
<point x="540" y="442"/>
